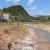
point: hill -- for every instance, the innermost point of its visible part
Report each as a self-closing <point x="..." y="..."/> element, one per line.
<point x="19" y="13"/>
<point x="16" y="10"/>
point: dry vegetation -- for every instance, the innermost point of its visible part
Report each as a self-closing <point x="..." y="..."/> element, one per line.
<point x="23" y="37"/>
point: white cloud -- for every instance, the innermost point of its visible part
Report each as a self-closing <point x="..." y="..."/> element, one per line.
<point x="13" y="1"/>
<point x="18" y="1"/>
<point x="41" y="13"/>
<point x="30" y="2"/>
<point x="48" y="13"/>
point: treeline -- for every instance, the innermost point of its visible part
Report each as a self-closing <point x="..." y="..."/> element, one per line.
<point x="43" y="19"/>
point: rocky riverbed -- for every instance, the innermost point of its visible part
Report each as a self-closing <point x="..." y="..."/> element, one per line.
<point x="24" y="37"/>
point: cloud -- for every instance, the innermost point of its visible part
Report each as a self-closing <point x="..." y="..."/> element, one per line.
<point x="30" y="2"/>
<point x="18" y="1"/>
<point x="41" y="13"/>
<point x="48" y="14"/>
<point x="13" y="1"/>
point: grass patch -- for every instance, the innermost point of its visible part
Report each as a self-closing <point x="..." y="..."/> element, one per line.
<point x="6" y="31"/>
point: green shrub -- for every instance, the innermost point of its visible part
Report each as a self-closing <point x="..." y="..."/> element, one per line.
<point x="6" y="31"/>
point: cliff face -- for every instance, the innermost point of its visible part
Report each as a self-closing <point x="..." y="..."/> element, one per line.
<point x="22" y="37"/>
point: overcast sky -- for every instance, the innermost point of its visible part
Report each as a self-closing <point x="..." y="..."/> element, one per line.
<point x="33" y="7"/>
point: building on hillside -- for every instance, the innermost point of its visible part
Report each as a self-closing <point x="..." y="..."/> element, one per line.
<point x="6" y="16"/>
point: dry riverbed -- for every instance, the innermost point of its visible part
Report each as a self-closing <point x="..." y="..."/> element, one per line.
<point x="24" y="37"/>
